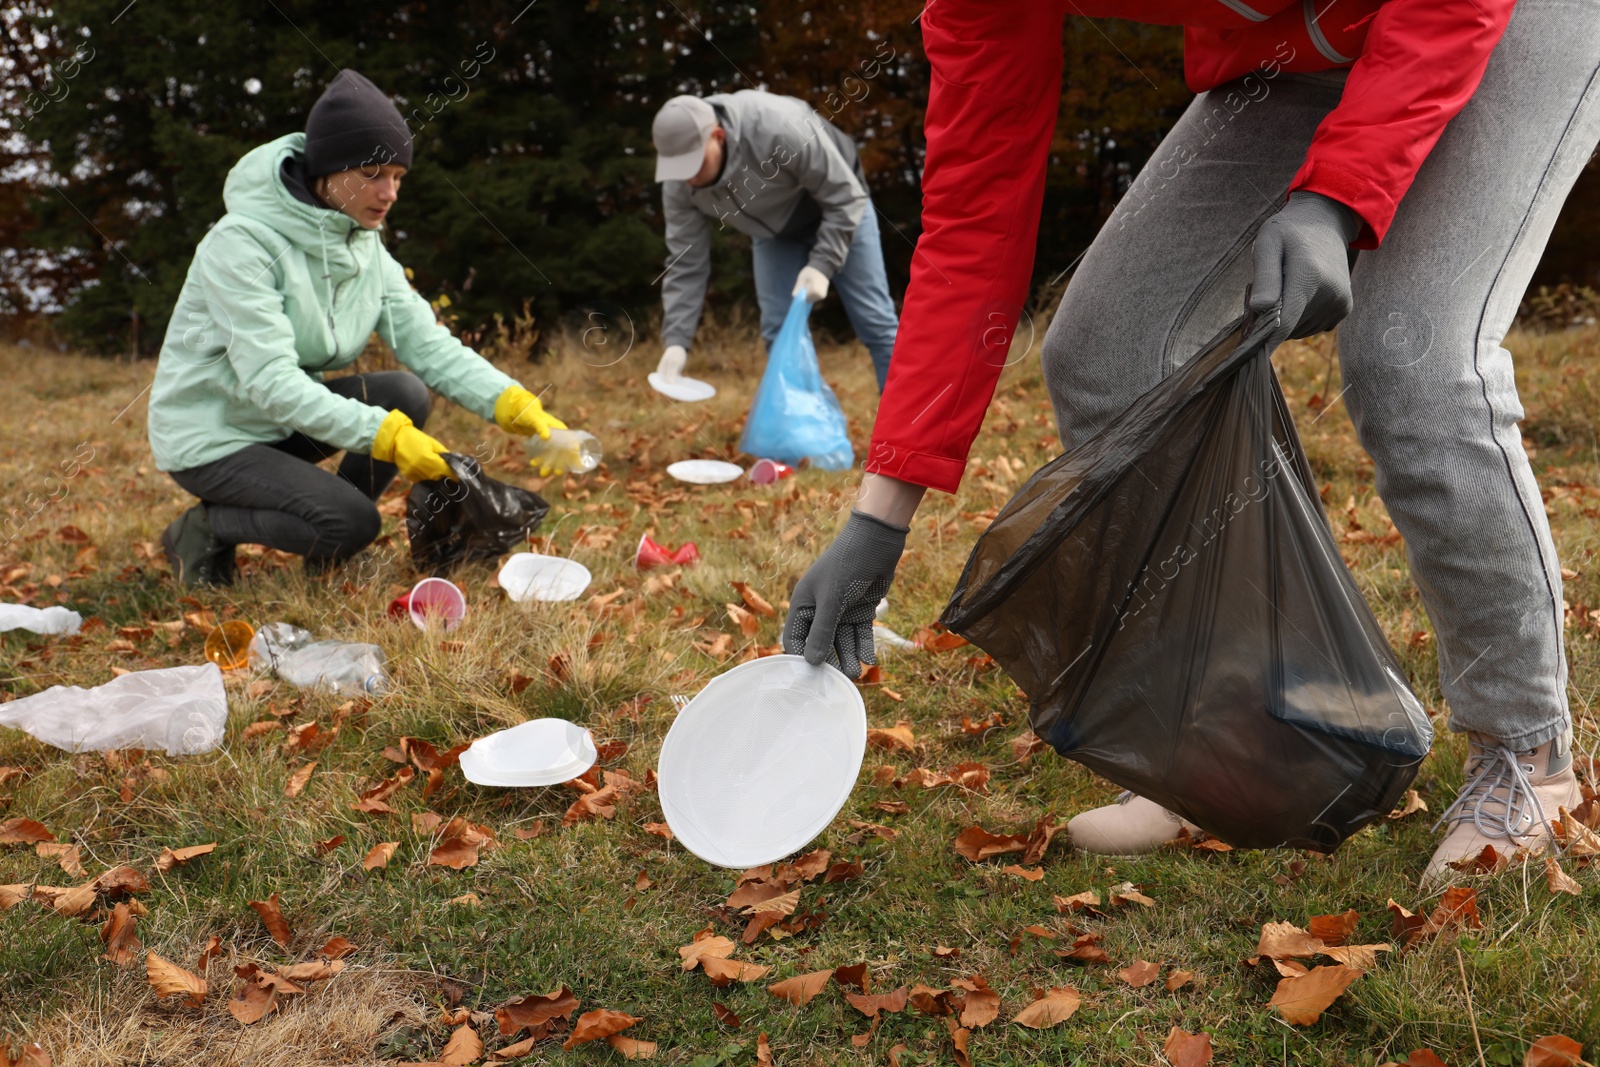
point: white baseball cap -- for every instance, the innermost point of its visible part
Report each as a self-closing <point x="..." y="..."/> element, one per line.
<point x="680" y="132"/>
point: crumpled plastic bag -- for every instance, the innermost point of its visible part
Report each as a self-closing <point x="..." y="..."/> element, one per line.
<point x="348" y="668"/>
<point x="180" y="710"/>
<point x="51" y="620"/>
<point x="1171" y="599"/>
<point x="471" y="517"/>
<point x="795" y="415"/>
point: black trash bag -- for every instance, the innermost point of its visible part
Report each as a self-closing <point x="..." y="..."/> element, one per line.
<point x="1170" y="598"/>
<point x="471" y="517"/>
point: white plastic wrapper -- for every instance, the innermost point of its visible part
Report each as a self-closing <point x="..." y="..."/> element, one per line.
<point x="53" y="620"/>
<point x="180" y="710"/>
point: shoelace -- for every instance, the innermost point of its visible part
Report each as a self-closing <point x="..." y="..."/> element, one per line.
<point x="1500" y="778"/>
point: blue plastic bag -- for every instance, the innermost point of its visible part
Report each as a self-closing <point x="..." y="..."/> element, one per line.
<point x="795" y="415"/>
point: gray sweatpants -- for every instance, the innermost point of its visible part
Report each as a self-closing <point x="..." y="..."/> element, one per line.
<point x="1427" y="381"/>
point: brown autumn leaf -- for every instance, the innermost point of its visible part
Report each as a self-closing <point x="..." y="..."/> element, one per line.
<point x="120" y="881"/>
<point x="1140" y="973"/>
<point x="1556" y="1050"/>
<point x="12" y="895"/>
<point x="631" y="1047"/>
<point x="958" y="1044"/>
<point x="870" y="1004"/>
<point x="177" y="857"/>
<point x="602" y="803"/>
<point x="325" y="847"/>
<point x="892" y="807"/>
<point x="1127" y="893"/>
<point x="782" y="904"/>
<point x="1558" y="880"/>
<point x="843" y="871"/>
<point x="272" y="917"/>
<point x="212" y="950"/>
<point x="764" y="1052"/>
<point x="535" y="1013"/>
<point x="1361" y="957"/>
<point x="854" y="975"/>
<point x="70" y="901"/>
<point x="254" y="1001"/>
<point x="726" y="1015"/>
<point x="747" y="622"/>
<point x="168" y="979"/>
<point x="930" y="1001"/>
<point x="1055" y="1006"/>
<point x="1302" y="1000"/>
<point x="67" y="857"/>
<point x="379" y="855"/>
<point x="971" y="776"/>
<point x="1085" y="949"/>
<point x="1409" y="804"/>
<point x="1184" y="1049"/>
<point x="1334" y="929"/>
<point x="1575" y="836"/>
<point x="980" y="1005"/>
<point x="1177" y="980"/>
<point x="24" y="832"/>
<point x="1419" y="1058"/>
<point x="597" y="1024"/>
<point x="1044" y="831"/>
<point x="337" y="948"/>
<point x="1086" y="900"/>
<point x="975" y="843"/>
<point x="459" y="843"/>
<point x="753" y="600"/>
<point x="893" y="738"/>
<point x="463" y="1048"/>
<point x="297" y="781"/>
<point x="1025" y="745"/>
<point x="312" y="970"/>
<point x="120" y="937"/>
<point x="703" y="947"/>
<point x="800" y="989"/>
<point x="812" y="865"/>
<point x="1284" y="941"/>
<point x="723" y="971"/>
<point x="1032" y="874"/>
<point x="1487" y="861"/>
<point x="659" y="829"/>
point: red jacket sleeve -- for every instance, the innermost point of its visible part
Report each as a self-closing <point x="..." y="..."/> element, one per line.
<point x="1422" y="62"/>
<point x="992" y="106"/>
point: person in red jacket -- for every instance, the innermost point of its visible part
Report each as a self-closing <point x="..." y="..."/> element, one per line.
<point x="1440" y="138"/>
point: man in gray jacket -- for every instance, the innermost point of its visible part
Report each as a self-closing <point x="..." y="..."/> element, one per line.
<point x="772" y="168"/>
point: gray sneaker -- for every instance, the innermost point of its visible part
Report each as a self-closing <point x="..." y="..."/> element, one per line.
<point x="194" y="553"/>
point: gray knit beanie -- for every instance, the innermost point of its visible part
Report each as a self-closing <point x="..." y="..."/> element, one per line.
<point x="354" y="125"/>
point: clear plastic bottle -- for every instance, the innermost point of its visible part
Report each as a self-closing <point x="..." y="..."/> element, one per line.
<point x="346" y="667"/>
<point x="566" y="451"/>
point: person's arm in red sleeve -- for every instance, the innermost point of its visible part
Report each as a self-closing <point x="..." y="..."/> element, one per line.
<point x="1422" y="62"/>
<point x="992" y="106"/>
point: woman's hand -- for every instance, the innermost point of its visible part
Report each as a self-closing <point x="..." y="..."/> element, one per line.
<point x="414" y="452"/>
<point x="519" y="412"/>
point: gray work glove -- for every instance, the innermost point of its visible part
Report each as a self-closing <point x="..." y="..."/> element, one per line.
<point x="1302" y="261"/>
<point x="832" y="607"/>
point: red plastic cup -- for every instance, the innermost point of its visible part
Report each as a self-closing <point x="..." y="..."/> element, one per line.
<point x="651" y="554"/>
<point x="767" y="471"/>
<point x="435" y="600"/>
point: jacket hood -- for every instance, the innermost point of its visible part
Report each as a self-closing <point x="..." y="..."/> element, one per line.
<point x="255" y="190"/>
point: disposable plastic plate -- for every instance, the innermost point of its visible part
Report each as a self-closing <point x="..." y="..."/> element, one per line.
<point x="530" y="576"/>
<point x="688" y="390"/>
<point x="705" y="471"/>
<point x="760" y="762"/>
<point x="537" y="752"/>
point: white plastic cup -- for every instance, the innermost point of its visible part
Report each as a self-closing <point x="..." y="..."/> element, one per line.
<point x="433" y="599"/>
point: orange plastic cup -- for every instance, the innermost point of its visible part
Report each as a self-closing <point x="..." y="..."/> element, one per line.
<point x="228" y="646"/>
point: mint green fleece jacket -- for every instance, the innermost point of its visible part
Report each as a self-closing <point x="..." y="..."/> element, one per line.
<point x="279" y="292"/>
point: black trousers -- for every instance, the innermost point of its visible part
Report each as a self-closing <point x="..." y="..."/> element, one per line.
<point x="275" y="495"/>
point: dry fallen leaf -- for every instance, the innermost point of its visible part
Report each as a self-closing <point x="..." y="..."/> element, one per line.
<point x="535" y="1013"/>
<point x="1302" y="1000"/>
<point x="1283" y="941"/>
<point x="1184" y="1049"/>
<point x="119" y="881"/>
<point x="459" y="843"/>
<point x="708" y="947"/>
<point x="1409" y="804"/>
<point x="631" y="1048"/>
<point x="1085" y="949"/>
<point x="1558" y="880"/>
<point x="66" y="856"/>
<point x="753" y="600"/>
<point x="894" y="738"/>
<point x="254" y="1001"/>
<point x="1177" y="980"/>
<point x="870" y="1004"/>
<point x="70" y="901"/>
<point x="168" y="979"/>
<point x="24" y="832"/>
<point x="297" y="781"/>
<point x="1334" y="929"/>
<point x="380" y="855"/>
<point x="764" y="1052"/>
<point x="800" y="989"/>
<point x="272" y="918"/>
<point x="312" y="970"/>
<point x="177" y="857"/>
<point x="723" y="971"/>
<point x="975" y="843"/>
<point x="1077" y="902"/>
<point x="726" y="1015"/>
<point x="1140" y="973"/>
<point x="980" y="1005"/>
<point x="1032" y="874"/>
<point x="120" y="937"/>
<point x="1127" y="893"/>
<point x="597" y="1024"/>
<point x="12" y="895"/>
<point x="1055" y="1006"/>
<point x="1554" y="1051"/>
<point x="464" y="1047"/>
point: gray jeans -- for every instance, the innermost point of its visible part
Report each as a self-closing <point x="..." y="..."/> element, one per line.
<point x="1427" y="381"/>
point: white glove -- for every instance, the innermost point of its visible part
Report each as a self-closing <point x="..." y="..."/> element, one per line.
<point x="672" y="360"/>
<point x="811" y="282"/>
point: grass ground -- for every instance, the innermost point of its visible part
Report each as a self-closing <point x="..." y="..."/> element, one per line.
<point x="566" y="906"/>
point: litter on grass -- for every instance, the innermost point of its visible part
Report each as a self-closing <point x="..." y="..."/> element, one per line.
<point x="344" y="667"/>
<point x="52" y="620"/>
<point x="179" y="710"/>
<point x="530" y="576"/>
<point x="705" y="471"/>
<point x="535" y="753"/>
<point x="650" y="554"/>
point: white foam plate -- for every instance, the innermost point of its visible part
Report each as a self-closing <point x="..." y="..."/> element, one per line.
<point x="761" y="760"/>
<point x="537" y="752"/>
<point x="705" y="471"/>
<point x="531" y="576"/>
<point x="688" y="390"/>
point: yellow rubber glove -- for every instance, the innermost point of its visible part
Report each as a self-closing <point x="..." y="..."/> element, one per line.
<point x="414" y="452"/>
<point x="519" y="411"/>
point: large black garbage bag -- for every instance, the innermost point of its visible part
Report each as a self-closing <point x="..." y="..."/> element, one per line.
<point x="471" y="517"/>
<point x="1170" y="598"/>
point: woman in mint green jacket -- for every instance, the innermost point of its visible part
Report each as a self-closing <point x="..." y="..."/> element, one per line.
<point x="289" y="284"/>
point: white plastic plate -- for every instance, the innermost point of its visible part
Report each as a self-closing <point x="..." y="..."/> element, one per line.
<point x="760" y="762"/>
<point x="705" y="471"/>
<point x="688" y="390"/>
<point x="537" y="752"/>
<point x="530" y="576"/>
